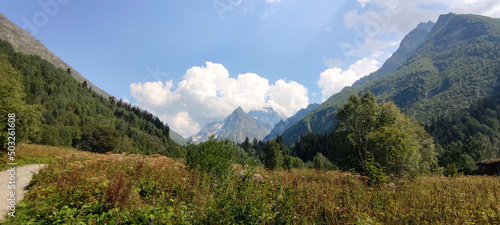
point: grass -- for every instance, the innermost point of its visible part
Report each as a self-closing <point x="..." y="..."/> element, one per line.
<point x="87" y="188"/>
<point x="35" y="154"/>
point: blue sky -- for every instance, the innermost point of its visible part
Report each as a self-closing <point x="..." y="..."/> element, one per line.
<point x="193" y="62"/>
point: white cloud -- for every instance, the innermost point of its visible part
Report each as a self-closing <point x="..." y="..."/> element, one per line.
<point x="287" y="98"/>
<point x="183" y="123"/>
<point x="208" y="94"/>
<point x="332" y="80"/>
<point x="154" y="93"/>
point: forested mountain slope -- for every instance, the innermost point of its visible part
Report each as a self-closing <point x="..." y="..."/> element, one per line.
<point x="64" y="112"/>
<point x="454" y="67"/>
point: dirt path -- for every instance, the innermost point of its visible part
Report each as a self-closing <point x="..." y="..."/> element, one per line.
<point x="22" y="179"/>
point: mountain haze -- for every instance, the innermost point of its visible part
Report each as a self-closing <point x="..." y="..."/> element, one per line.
<point x="456" y="65"/>
<point x="267" y="116"/>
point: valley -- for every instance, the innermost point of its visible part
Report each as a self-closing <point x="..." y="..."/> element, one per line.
<point x="403" y="144"/>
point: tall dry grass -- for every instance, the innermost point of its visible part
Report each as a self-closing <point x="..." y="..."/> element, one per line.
<point x="83" y="187"/>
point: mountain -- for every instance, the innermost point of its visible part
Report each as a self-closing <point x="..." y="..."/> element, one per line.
<point x="268" y="116"/>
<point x="284" y="125"/>
<point x="23" y="42"/>
<point x="406" y="48"/>
<point x="456" y="65"/>
<point x="235" y="127"/>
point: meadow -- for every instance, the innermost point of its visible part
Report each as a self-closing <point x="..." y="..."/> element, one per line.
<point x="78" y="187"/>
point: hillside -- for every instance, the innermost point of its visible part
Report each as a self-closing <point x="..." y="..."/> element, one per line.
<point x="282" y="126"/>
<point x="455" y="66"/>
<point x="235" y="127"/>
<point x="407" y="47"/>
<point x="22" y="41"/>
<point x="55" y="109"/>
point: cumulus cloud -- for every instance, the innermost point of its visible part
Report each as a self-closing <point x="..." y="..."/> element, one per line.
<point x="332" y="80"/>
<point x="183" y="123"/>
<point x="208" y="94"/>
<point x="287" y="98"/>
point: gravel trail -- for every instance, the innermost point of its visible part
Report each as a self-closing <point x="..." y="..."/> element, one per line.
<point x="22" y="177"/>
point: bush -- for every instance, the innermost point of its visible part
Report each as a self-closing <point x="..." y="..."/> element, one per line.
<point x="322" y="163"/>
<point x="273" y="156"/>
<point x="213" y="157"/>
<point x="99" y="139"/>
<point x="452" y="170"/>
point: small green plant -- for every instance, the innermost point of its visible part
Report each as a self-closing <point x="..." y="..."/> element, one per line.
<point x="452" y="170"/>
<point x="375" y="172"/>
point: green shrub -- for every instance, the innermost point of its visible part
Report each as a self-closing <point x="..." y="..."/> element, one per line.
<point x="213" y="157"/>
<point x="99" y="139"/>
<point x="322" y="163"/>
<point x="452" y="170"/>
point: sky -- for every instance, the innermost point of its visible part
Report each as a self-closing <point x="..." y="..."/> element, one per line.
<point x="194" y="62"/>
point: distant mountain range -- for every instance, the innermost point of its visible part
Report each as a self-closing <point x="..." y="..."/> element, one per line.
<point x="267" y="116"/>
<point x="439" y="69"/>
<point x="235" y="127"/>
<point x="261" y="125"/>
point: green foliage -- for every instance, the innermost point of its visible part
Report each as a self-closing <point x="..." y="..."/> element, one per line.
<point x="375" y="172"/>
<point x="452" y="170"/>
<point x="273" y="156"/>
<point x="397" y="144"/>
<point x="243" y="200"/>
<point x="99" y="139"/>
<point x="27" y="118"/>
<point x="465" y="156"/>
<point x="213" y="157"/>
<point x="293" y="162"/>
<point x="322" y="163"/>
